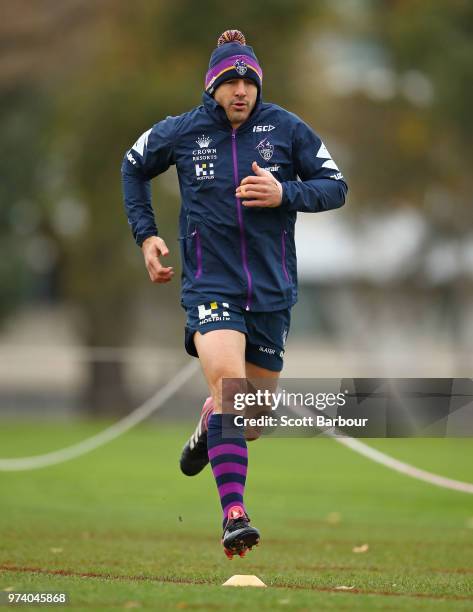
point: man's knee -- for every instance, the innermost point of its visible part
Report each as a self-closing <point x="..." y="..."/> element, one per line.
<point x="226" y="387"/>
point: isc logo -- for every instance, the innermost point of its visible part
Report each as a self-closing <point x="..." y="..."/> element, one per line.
<point x="263" y="128"/>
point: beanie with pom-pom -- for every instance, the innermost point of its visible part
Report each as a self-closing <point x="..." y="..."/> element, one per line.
<point x="232" y="59"/>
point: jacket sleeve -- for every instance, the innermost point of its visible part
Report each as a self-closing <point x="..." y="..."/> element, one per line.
<point x="151" y="155"/>
<point x="321" y="185"/>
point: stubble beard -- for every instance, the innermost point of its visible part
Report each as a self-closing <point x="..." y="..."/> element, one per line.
<point x="238" y="116"/>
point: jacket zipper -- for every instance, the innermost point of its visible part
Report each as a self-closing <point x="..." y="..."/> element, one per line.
<point x="198" y="250"/>
<point x="283" y="249"/>
<point x="244" y="255"/>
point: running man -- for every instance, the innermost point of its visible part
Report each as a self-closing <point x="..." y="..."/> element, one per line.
<point x="245" y="168"/>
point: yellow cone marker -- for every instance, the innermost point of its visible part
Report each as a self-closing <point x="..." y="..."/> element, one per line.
<point x="242" y="580"/>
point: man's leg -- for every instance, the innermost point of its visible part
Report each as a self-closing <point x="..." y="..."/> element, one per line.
<point x="194" y="456"/>
<point x="222" y="355"/>
<point x="205" y="318"/>
<point x="264" y="354"/>
<point x="260" y="379"/>
<point x="254" y="373"/>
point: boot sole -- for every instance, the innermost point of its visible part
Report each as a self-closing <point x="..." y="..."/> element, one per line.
<point x="240" y="541"/>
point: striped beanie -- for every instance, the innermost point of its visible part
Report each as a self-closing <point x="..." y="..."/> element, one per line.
<point x="232" y="59"/>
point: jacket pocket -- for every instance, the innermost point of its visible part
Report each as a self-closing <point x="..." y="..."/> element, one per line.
<point x="283" y="255"/>
<point x="198" y="253"/>
<point x="192" y="252"/>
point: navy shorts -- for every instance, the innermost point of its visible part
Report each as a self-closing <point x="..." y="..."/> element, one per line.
<point x="265" y="332"/>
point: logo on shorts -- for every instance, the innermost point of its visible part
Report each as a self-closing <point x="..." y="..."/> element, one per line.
<point x="213" y="313"/>
<point x="267" y="350"/>
<point x="265" y="149"/>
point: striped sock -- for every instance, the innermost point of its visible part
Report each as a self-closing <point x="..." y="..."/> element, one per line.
<point x="229" y="460"/>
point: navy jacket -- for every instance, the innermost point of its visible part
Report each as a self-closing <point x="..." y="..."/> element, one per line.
<point x="230" y="253"/>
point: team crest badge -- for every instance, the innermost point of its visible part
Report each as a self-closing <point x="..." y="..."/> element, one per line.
<point x="241" y="67"/>
<point x="265" y="149"/>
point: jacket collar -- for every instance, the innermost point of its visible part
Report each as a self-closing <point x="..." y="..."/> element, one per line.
<point x="218" y="114"/>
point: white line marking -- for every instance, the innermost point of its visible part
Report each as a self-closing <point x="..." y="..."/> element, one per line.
<point x="404" y="468"/>
<point x="156" y="401"/>
<point x="390" y="462"/>
<point x="151" y="405"/>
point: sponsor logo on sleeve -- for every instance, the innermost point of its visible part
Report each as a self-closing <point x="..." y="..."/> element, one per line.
<point x="130" y="158"/>
<point x="323" y="153"/>
<point x="142" y="142"/>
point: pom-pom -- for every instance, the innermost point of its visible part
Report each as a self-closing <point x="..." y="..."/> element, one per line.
<point x="231" y="36"/>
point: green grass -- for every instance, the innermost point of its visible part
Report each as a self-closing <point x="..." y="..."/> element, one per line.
<point x="122" y="528"/>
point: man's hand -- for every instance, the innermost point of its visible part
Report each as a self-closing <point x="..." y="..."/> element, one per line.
<point x="260" y="190"/>
<point x="153" y="248"/>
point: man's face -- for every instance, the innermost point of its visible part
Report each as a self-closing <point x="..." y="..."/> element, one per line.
<point x="238" y="99"/>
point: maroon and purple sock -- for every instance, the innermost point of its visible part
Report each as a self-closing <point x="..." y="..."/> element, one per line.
<point x="228" y="457"/>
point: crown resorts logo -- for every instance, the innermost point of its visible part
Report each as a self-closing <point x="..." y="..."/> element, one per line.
<point x="241" y="67"/>
<point x="205" y="158"/>
<point x="203" y="141"/>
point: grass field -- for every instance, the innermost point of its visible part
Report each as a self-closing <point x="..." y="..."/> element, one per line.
<point x="122" y="528"/>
